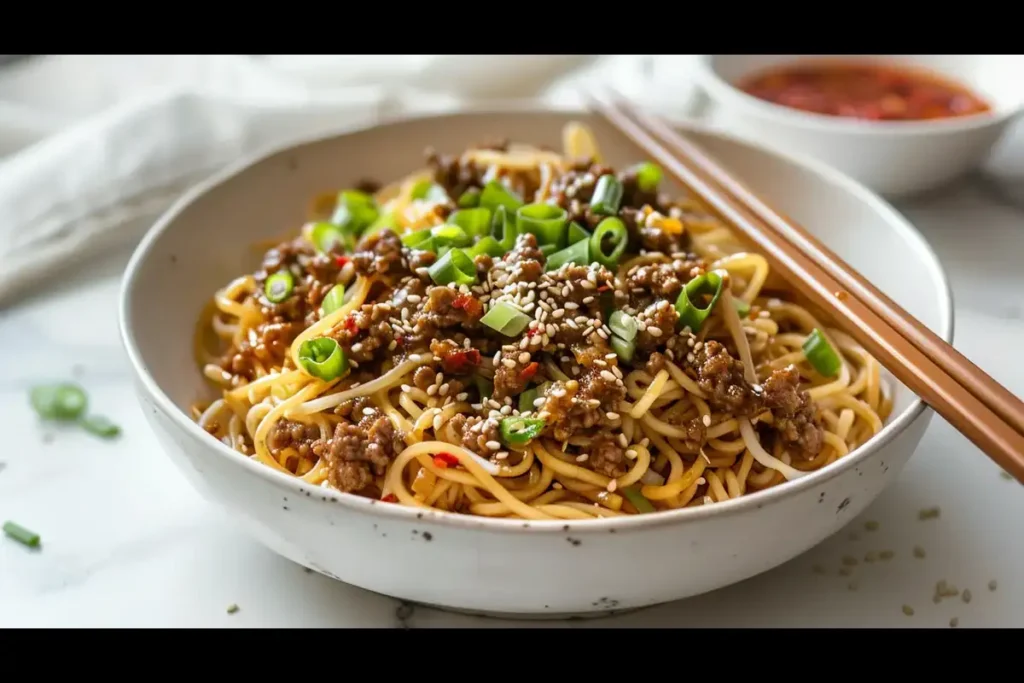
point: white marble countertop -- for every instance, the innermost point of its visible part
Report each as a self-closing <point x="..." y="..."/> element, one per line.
<point x="126" y="542"/>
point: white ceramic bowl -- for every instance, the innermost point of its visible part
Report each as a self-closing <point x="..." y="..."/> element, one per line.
<point x="895" y="158"/>
<point x="499" y="566"/>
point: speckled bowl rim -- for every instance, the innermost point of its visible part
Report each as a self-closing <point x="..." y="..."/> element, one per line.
<point x="455" y="520"/>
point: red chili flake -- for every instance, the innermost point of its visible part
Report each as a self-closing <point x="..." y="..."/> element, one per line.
<point x="529" y="371"/>
<point x="604" y="288"/>
<point x="350" y="325"/>
<point x="445" y="459"/>
<point x="399" y="340"/>
<point x="461" y="361"/>
<point x="390" y="498"/>
<point x="532" y="331"/>
<point x="469" y="304"/>
<point x="341" y="260"/>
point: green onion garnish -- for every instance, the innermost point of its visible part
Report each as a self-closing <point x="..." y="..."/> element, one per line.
<point x="485" y="245"/>
<point x="100" y="426"/>
<point x="495" y="194"/>
<point x="455" y="266"/>
<point x="506" y="319"/>
<point x="527" y="398"/>
<point x="691" y="314"/>
<point x="484" y="387"/>
<point x="547" y="221"/>
<point x="59" y="401"/>
<point x="323" y="358"/>
<point x="504" y="229"/>
<point x="622" y="348"/>
<point x="547" y="249"/>
<point x="355" y="211"/>
<point x="577" y="233"/>
<point x="429" y="191"/>
<point x="578" y="253"/>
<point x="648" y="176"/>
<point x="421" y="240"/>
<point x="333" y="301"/>
<point x="634" y="496"/>
<point x="614" y="231"/>
<point x="450" y="236"/>
<point x="607" y="196"/>
<point x="516" y="431"/>
<point x="474" y="221"/>
<point x="622" y="325"/>
<point x="326" y="236"/>
<point x="742" y="307"/>
<point x="821" y="355"/>
<point x="470" y="199"/>
<point x="279" y="286"/>
<point x="21" y="534"/>
<point x="385" y="220"/>
<point x="420" y="189"/>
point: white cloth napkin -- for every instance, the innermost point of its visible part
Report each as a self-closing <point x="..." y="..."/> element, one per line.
<point x="93" y="148"/>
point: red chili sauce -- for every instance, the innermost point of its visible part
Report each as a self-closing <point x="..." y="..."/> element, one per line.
<point x="864" y="91"/>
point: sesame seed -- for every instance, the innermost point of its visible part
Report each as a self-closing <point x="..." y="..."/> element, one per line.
<point x="612" y="485"/>
<point x="506" y="410"/>
<point x="406" y="388"/>
<point x="631" y="454"/>
<point x="500" y="455"/>
<point x="415" y="357"/>
<point x="557" y="313"/>
<point x="654" y="331"/>
<point x="607" y="376"/>
<point x="706" y="420"/>
<point x="367" y="411"/>
<point x="622" y="440"/>
<point x="493" y="445"/>
<point x="414" y="298"/>
<point x="462" y="396"/>
<point x="612" y="416"/>
<point x="508" y="362"/>
<point x="443" y="391"/>
<point x="437" y="421"/>
<point x="582" y="457"/>
<point x="571" y="305"/>
<point x="538" y="402"/>
<point x="431" y="390"/>
<point x="524" y="357"/>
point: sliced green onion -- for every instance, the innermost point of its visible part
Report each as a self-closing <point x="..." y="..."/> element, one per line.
<point x="325" y="236"/>
<point x="437" y="194"/>
<point x="506" y="319"/>
<point x="384" y="221"/>
<point x="59" y="401"/>
<point x="691" y="314"/>
<point x="578" y="253"/>
<point x="21" y="534"/>
<point x="455" y="266"/>
<point x="503" y="229"/>
<point x="421" y="240"/>
<point x="450" y="236"/>
<point x="279" y="286"/>
<point x="333" y="301"/>
<point x="470" y="199"/>
<point x="742" y="307"/>
<point x="622" y="348"/>
<point x="821" y="355"/>
<point x="474" y="221"/>
<point x="100" y="426"/>
<point x="429" y="190"/>
<point x="420" y="189"/>
<point x="323" y="358"/>
<point x="623" y="325"/>
<point x="547" y="249"/>
<point x="516" y="431"/>
<point x="577" y="233"/>
<point x="613" y="230"/>
<point x="547" y="221"/>
<point x="495" y="194"/>
<point x="355" y="211"/>
<point x="607" y="196"/>
<point x="485" y="245"/>
<point x="527" y="398"/>
<point x="634" y="496"/>
<point x="648" y="176"/>
<point x="484" y="387"/>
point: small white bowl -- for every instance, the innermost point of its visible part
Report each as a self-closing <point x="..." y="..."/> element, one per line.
<point x="480" y="564"/>
<point x="895" y="158"/>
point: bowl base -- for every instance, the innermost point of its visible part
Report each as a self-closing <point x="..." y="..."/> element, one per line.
<point x="530" y="616"/>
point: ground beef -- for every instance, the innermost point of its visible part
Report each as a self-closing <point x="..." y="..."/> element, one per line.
<point x="511" y="378"/>
<point x="584" y="402"/>
<point x="454" y="176"/>
<point x="447" y="307"/>
<point x="720" y="376"/>
<point x="456" y="359"/>
<point x="526" y="258"/>
<point x="606" y="456"/>
<point x="356" y="453"/>
<point x="656" y="324"/>
<point x="295" y="435"/>
<point x="695" y="434"/>
<point x="380" y="254"/>
<point x="795" y="419"/>
<point x="476" y="432"/>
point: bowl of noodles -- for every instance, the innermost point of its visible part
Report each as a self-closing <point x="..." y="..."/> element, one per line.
<point x="521" y="372"/>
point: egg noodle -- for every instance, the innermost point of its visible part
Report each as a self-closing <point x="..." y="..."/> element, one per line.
<point x="662" y="463"/>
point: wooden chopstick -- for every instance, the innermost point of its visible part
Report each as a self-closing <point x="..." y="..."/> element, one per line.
<point x="837" y="289"/>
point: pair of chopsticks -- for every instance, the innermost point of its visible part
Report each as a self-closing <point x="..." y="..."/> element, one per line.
<point x="974" y="403"/>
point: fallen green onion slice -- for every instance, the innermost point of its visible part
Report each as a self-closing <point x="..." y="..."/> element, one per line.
<point x="495" y="194"/>
<point x="485" y="245"/>
<point x="450" y="236"/>
<point x="474" y="221"/>
<point x="742" y="307"/>
<point x="821" y="355"/>
<point x="622" y="325"/>
<point x="690" y="314"/>
<point x="323" y="358"/>
<point x="607" y="196"/>
<point x="577" y="233"/>
<point x="622" y="348"/>
<point x="578" y="253"/>
<point x="613" y="230"/>
<point x="634" y="496"/>
<point x="455" y="266"/>
<point x="503" y="229"/>
<point x="470" y="199"/>
<point x="279" y="286"/>
<point x="100" y="426"/>
<point x="21" y="534"/>
<point x="325" y="236"/>
<point x="333" y="301"/>
<point x="516" y="431"/>
<point x="506" y="319"/>
<point x="648" y="176"/>
<point x="547" y="221"/>
<point x="59" y="401"/>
